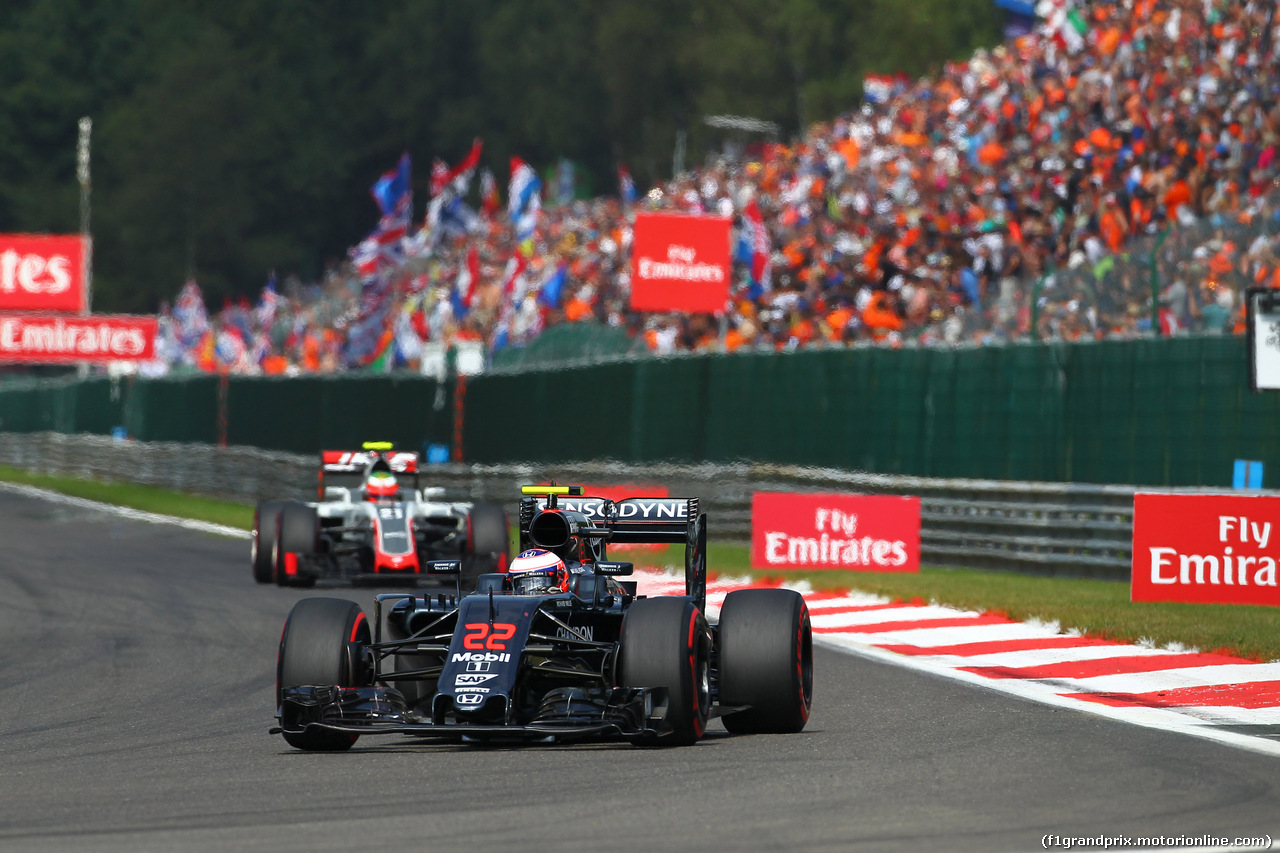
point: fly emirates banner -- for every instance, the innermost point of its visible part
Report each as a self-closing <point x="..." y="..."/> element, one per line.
<point x="1218" y="549"/>
<point x="870" y="533"/>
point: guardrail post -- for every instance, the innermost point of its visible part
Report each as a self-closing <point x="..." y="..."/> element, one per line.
<point x="1155" y="281"/>
<point x="459" y="400"/>
<point x="223" y="382"/>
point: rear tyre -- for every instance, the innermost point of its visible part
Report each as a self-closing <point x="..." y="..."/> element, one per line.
<point x="488" y="543"/>
<point x="315" y="650"/>
<point x="665" y="643"/>
<point x="766" y="660"/>
<point x="266" y="522"/>
<point x="298" y="533"/>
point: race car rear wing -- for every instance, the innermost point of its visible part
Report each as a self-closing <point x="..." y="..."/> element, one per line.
<point x="638" y="519"/>
<point x="348" y="468"/>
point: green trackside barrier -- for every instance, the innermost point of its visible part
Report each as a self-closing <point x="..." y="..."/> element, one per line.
<point x="308" y="414"/>
<point x="302" y="414"/>
<point x="1171" y="411"/>
<point x="179" y="409"/>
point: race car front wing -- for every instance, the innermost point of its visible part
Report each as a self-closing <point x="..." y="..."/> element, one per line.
<point x="625" y="712"/>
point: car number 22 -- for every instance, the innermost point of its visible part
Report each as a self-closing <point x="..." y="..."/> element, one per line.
<point x="482" y="635"/>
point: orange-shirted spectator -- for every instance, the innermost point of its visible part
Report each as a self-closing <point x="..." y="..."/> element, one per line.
<point x="1177" y="195"/>
<point x="577" y="310"/>
<point x="879" y="316"/>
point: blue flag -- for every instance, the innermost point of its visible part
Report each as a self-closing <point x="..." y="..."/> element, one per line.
<point x="392" y="189"/>
<point x="553" y="288"/>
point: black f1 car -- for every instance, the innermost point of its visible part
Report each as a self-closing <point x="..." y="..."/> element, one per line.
<point x="374" y="522"/>
<point x="591" y="659"/>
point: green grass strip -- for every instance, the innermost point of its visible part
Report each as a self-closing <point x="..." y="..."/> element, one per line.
<point x="135" y="496"/>
<point x="1099" y="608"/>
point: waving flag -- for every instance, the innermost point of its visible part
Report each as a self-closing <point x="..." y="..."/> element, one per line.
<point x="626" y="186"/>
<point x="459" y="177"/>
<point x="759" y="239"/>
<point x="190" y="318"/>
<point x="439" y="177"/>
<point x="391" y="191"/>
<point x="524" y="184"/>
<point x="552" y="291"/>
<point x="513" y="278"/>
<point x="464" y="288"/>
<point x="1064" y="24"/>
<point x="268" y="301"/>
<point x="489" y="201"/>
<point x="524" y="199"/>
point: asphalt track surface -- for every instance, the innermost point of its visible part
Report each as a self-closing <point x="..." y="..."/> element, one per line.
<point x="137" y="666"/>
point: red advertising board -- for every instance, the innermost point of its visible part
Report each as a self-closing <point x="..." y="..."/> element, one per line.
<point x="41" y="272"/>
<point x="680" y="263"/>
<point x="1206" y="548"/>
<point x="57" y="339"/>
<point x="873" y="533"/>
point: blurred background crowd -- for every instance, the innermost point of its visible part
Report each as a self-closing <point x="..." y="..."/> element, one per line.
<point x="1111" y="173"/>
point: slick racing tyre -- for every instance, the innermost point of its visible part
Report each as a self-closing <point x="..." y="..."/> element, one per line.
<point x="665" y="643"/>
<point x="319" y="646"/>
<point x="297" y="534"/>
<point x="766" y="660"/>
<point x="488" y="543"/>
<point x="266" y="521"/>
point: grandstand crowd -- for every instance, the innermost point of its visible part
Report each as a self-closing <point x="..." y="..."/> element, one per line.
<point x="1112" y="170"/>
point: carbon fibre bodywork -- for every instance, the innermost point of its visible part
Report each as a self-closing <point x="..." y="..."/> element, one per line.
<point x="590" y="659"/>
<point x="493" y="665"/>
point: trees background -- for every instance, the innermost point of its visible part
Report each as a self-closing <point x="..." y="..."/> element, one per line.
<point x="239" y="137"/>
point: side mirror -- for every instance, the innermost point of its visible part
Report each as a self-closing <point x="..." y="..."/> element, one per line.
<point x="443" y="567"/>
<point x="612" y="568"/>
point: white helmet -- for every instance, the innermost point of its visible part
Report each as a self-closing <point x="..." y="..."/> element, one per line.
<point x="537" y="571"/>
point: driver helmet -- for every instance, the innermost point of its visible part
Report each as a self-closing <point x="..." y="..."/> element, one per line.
<point x="381" y="485"/>
<point x="537" y="571"/>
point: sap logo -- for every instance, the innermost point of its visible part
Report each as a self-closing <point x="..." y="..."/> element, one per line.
<point x="476" y="657"/>
<point x="477" y="666"/>
<point x="472" y="679"/>
<point x="586" y="632"/>
<point x="469" y="699"/>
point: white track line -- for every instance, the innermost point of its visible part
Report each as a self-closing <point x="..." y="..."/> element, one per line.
<point x="124" y="512"/>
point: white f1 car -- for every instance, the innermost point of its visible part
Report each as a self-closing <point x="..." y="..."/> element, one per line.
<point x="374" y="523"/>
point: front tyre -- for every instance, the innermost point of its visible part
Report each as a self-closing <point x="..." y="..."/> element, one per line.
<point x="766" y="660"/>
<point x="665" y="643"/>
<point x="320" y="646"/>
<point x="266" y="522"/>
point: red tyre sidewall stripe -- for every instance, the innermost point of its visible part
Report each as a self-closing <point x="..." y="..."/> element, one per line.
<point x="693" y="675"/>
<point x="355" y="626"/>
<point x="800" y="632"/>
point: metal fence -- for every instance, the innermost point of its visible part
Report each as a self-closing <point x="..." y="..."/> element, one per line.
<point x="1034" y="528"/>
